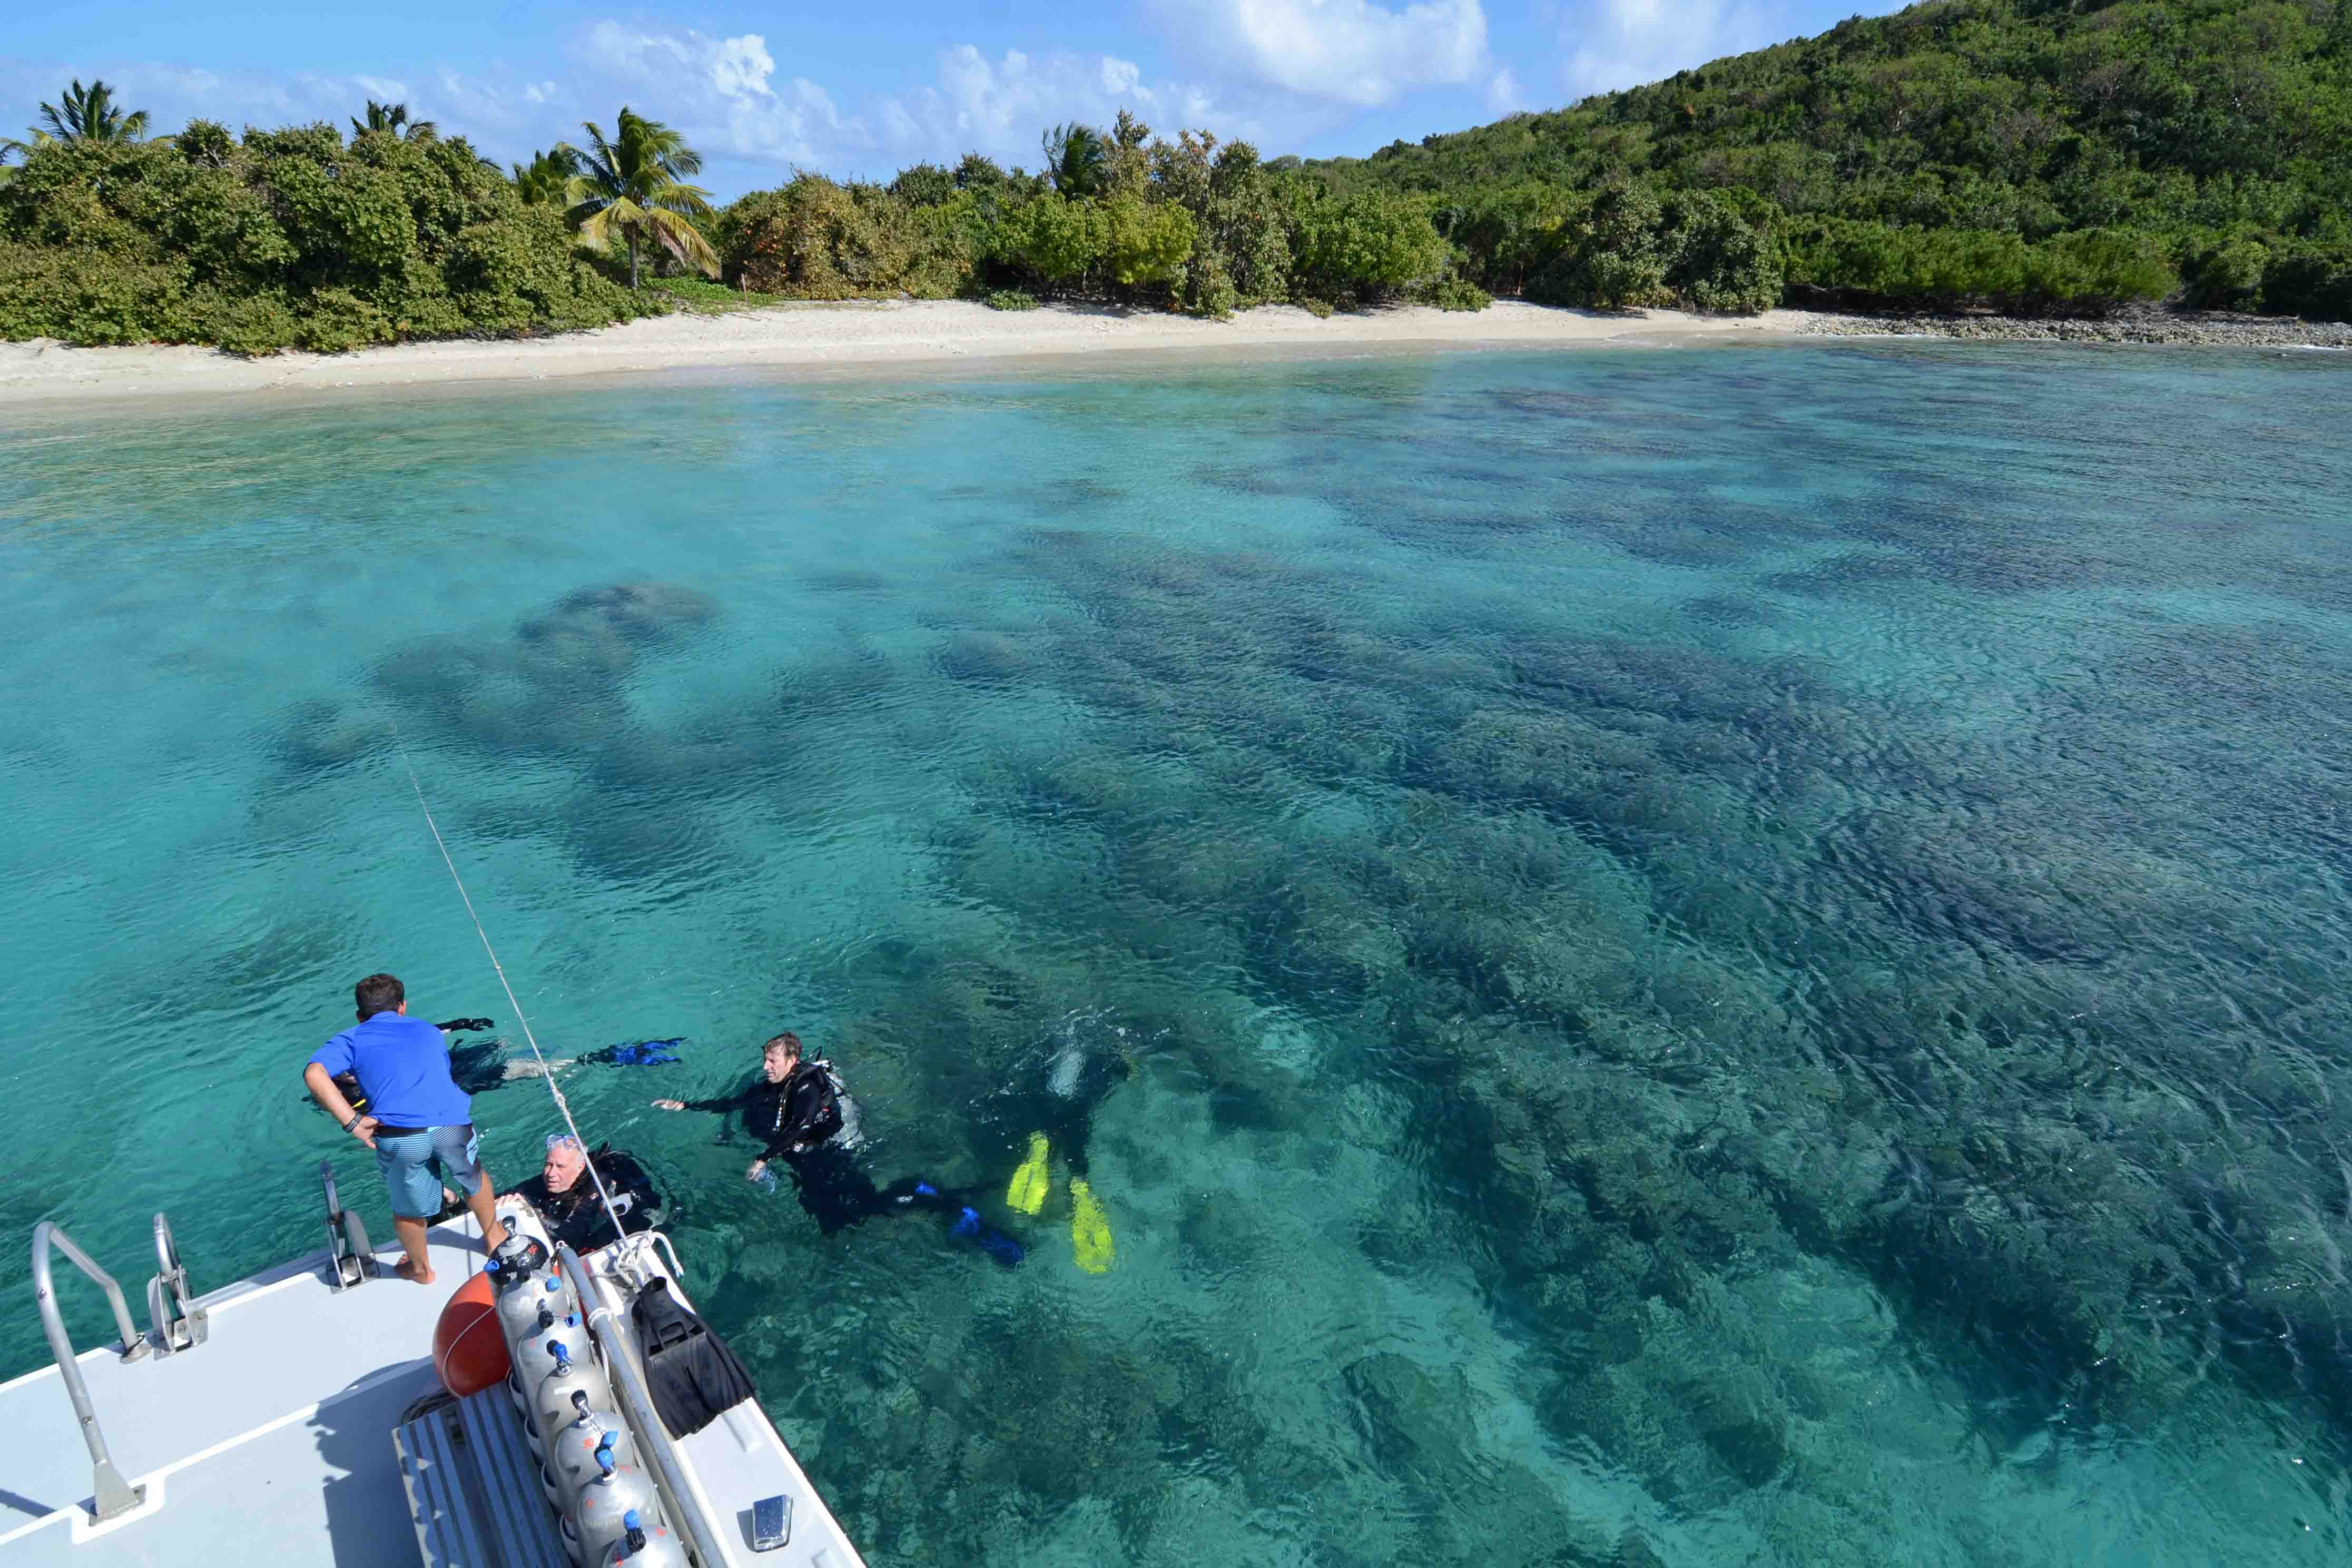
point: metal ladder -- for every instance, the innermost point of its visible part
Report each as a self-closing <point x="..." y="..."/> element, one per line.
<point x="180" y="1325"/>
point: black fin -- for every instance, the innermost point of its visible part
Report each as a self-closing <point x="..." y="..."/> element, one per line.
<point x="694" y="1377"/>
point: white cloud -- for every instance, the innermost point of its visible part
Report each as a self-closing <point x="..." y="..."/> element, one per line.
<point x="739" y="104"/>
<point x="1502" y="94"/>
<point x="1345" y="51"/>
<point x="720" y="92"/>
<point x="1622" y="42"/>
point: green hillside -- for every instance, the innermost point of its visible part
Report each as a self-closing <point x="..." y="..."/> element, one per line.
<point x="2004" y="153"/>
<point x="1963" y="147"/>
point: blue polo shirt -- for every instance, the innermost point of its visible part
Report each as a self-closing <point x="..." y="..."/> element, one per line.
<point x="403" y="1066"/>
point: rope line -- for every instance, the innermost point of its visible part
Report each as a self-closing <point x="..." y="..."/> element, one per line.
<point x="546" y="1073"/>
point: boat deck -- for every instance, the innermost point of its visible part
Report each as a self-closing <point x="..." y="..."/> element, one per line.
<point x="270" y="1441"/>
<point x="273" y="1441"/>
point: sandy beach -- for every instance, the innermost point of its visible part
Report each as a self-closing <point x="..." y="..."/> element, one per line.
<point x="846" y="337"/>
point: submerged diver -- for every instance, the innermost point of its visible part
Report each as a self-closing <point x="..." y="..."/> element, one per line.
<point x="566" y="1200"/>
<point x="1089" y="1057"/>
<point x="479" y="1066"/>
<point x="800" y="1111"/>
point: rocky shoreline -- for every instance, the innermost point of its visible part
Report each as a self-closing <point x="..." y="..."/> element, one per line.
<point x="2210" y="329"/>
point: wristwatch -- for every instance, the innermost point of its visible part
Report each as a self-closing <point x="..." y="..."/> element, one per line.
<point x="357" y="1117"/>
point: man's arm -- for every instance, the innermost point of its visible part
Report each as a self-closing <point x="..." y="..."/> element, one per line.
<point x="724" y="1102"/>
<point x="321" y="1085"/>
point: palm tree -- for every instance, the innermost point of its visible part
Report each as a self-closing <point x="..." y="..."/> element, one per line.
<point x="88" y="114"/>
<point x="394" y="116"/>
<point x="9" y="149"/>
<point x="542" y="182"/>
<point x="1078" y="159"/>
<point x="635" y="183"/>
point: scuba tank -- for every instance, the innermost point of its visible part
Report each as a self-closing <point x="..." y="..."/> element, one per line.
<point x="552" y="1408"/>
<point x="533" y="1356"/>
<point x="595" y="1520"/>
<point x="644" y="1545"/>
<point x="572" y="1452"/>
<point x="525" y="1275"/>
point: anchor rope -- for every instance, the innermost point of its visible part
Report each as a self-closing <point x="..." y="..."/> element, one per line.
<point x="546" y="1073"/>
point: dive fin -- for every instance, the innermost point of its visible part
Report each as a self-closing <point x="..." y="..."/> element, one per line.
<point x="1033" y="1180"/>
<point x="1090" y="1243"/>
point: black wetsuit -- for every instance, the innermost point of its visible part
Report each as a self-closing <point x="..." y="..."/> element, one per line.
<point x="575" y="1218"/>
<point x="800" y="1122"/>
<point x="1056" y="1097"/>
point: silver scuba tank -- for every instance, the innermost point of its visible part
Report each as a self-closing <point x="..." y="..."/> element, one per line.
<point x="644" y="1545"/>
<point x="534" y="1356"/>
<point x="552" y="1407"/>
<point x="599" y="1510"/>
<point x="521" y="1299"/>
<point x="572" y="1452"/>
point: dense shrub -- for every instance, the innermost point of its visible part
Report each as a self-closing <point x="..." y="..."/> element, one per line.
<point x="814" y="239"/>
<point x="1369" y="246"/>
<point x="1508" y="236"/>
<point x="2226" y="275"/>
<point x="1458" y="294"/>
<point x="2090" y="270"/>
<point x="1612" y="256"/>
<point x="1241" y="219"/>
<point x="1053" y="239"/>
<point x="280" y="239"/>
<point x="1145" y="243"/>
<point x="2312" y="281"/>
<point x="1718" y="259"/>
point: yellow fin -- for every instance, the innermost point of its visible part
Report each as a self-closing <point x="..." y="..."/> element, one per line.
<point x="1090" y="1243"/>
<point x="1033" y="1180"/>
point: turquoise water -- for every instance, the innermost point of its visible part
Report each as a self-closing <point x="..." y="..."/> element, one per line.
<point x="1720" y="957"/>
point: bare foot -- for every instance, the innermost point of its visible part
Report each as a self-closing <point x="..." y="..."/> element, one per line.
<point x="408" y="1271"/>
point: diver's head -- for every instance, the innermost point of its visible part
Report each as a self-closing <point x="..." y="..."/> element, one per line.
<point x="379" y="994"/>
<point x="565" y="1160"/>
<point x="780" y="1056"/>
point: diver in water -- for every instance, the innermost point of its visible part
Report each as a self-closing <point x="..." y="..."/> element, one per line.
<point x="802" y="1115"/>
<point x="566" y="1200"/>
<point x="481" y="1065"/>
<point x="1088" y="1058"/>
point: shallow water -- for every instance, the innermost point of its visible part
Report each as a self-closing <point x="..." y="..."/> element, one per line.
<point x="1696" y="957"/>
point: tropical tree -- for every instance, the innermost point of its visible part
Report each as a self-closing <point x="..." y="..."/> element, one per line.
<point x="88" y="114"/>
<point x="394" y="116"/>
<point x="542" y="181"/>
<point x="1078" y="159"/>
<point x="633" y="185"/>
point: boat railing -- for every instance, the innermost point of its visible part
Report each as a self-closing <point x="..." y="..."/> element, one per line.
<point x="111" y="1496"/>
<point x="653" y="1437"/>
<point x="180" y="1323"/>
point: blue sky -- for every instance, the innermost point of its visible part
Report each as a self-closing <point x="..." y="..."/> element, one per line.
<point x="856" y="89"/>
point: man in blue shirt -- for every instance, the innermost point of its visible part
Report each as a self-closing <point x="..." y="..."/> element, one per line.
<point x="418" y="1121"/>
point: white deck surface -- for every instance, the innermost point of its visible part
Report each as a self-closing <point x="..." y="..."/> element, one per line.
<point x="270" y="1443"/>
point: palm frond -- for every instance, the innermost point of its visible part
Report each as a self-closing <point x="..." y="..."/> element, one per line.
<point x="683" y="240"/>
<point x="88" y="114"/>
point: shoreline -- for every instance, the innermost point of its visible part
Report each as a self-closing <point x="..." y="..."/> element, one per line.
<point x="2156" y="328"/>
<point x="850" y="336"/>
<point x="859" y="337"/>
